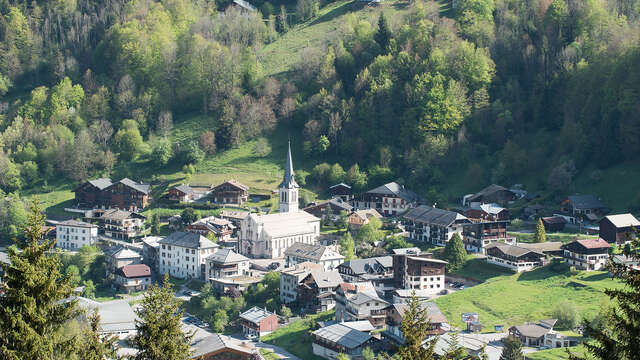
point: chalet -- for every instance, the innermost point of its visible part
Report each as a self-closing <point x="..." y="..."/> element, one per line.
<point x="91" y="193"/>
<point x="257" y="322"/>
<point x="318" y="254"/>
<point x="290" y="279"/>
<point x="389" y="199"/>
<point x="73" y="235"/>
<point x="493" y="194"/>
<point x="554" y="223"/>
<point x="321" y="210"/>
<point x="181" y="193"/>
<point x="340" y="191"/>
<point x="587" y="206"/>
<point x="588" y="254"/>
<point x="514" y="258"/>
<point x="230" y="192"/>
<point x="420" y="272"/>
<point x="218" y="346"/>
<point x="359" y="218"/>
<point x="118" y="256"/>
<point x="121" y="224"/>
<point x="395" y="313"/>
<point x="126" y="194"/>
<point x="619" y="229"/>
<point x="225" y="263"/>
<point x="533" y="210"/>
<point x="406" y="251"/>
<point x="433" y="225"/>
<point x="151" y="251"/>
<point x="532" y="334"/>
<point x="183" y="255"/>
<point x="479" y="212"/>
<point x="628" y="261"/>
<point x="243" y="5"/>
<point x="333" y="340"/>
<point x="223" y="229"/>
<point x="365" y="269"/>
<point x="477" y="236"/>
<point x="235" y="217"/>
<point x="133" y="278"/>
<point x="549" y="248"/>
<point x="363" y="305"/>
<point x="317" y="290"/>
<point x="234" y="286"/>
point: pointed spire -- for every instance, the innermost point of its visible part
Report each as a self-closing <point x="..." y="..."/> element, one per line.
<point x="289" y="179"/>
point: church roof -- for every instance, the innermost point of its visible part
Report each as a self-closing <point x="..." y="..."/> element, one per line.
<point x="289" y="181"/>
<point x="286" y="223"/>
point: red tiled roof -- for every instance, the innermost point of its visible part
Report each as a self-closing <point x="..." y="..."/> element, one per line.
<point x="136" y="270"/>
<point x="593" y="243"/>
<point x="348" y="287"/>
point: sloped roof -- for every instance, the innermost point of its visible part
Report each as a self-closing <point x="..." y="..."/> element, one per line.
<point x="143" y="188"/>
<point x="114" y="315"/>
<point x="288" y="180"/>
<point x="236" y="183"/>
<point x="286" y="223"/>
<point x="367" y="213"/>
<point x="433" y="311"/>
<point x="117" y="214"/>
<point x="432" y="215"/>
<point x="545" y="246"/>
<point x="592" y="243"/>
<point x="493" y="209"/>
<point x="101" y="183"/>
<point x="255" y="314"/>
<point x="189" y="240"/>
<point x="532" y="330"/>
<point x="343" y="335"/>
<point x="470" y="343"/>
<point x="234" y="214"/>
<point x="326" y="279"/>
<point x="586" y="202"/>
<point x="341" y="184"/>
<point x="135" y="270"/>
<point x="623" y="220"/>
<point x="512" y="250"/>
<point x="364" y="297"/>
<point x="395" y="189"/>
<point x="185" y="189"/>
<point x="308" y="251"/>
<point x="119" y="252"/>
<point x="226" y="256"/>
<point x="364" y="266"/>
<point x="406" y="251"/>
<point x="361" y="325"/>
<point x="554" y="220"/>
<point x="489" y="190"/>
<point x="217" y="342"/>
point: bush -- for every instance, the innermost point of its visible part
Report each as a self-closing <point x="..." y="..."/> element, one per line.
<point x="567" y="315"/>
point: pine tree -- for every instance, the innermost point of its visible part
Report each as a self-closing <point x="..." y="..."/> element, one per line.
<point x="32" y="310"/>
<point x="160" y="335"/>
<point x="618" y="339"/>
<point x="155" y="224"/>
<point x="328" y="216"/>
<point x="94" y="346"/>
<point x="415" y="327"/>
<point x="541" y="234"/>
<point x="454" y="350"/>
<point x="383" y="36"/>
<point x="454" y="253"/>
<point x="347" y="247"/>
<point x="512" y="349"/>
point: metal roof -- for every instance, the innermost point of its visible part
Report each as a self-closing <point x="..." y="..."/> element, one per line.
<point x="362" y="325"/>
<point x="256" y="314"/>
<point x="395" y="189"/>
<point x="313" y="252"/>
<point x="117" y="214"/>
<point x="431" y="215"/>
<point x="491" y="189"/>
<point x="77" y="223"/>
<point x="101" y="183"/>
<point x="586" y="202"/>
<point x="218" y="342"/>
<point x="511" y="250"/>
<point x="623" y="220"/>
<point x="493" y="209"/>
<point x="226" y="256"/>
<point x="115" y="315"/>
<point x="143" y="188"/>
<point x="407" y="251"/>
<point x="188" y="240"/>
<point x="343" y="335"/>
<point x="326" y="279"/>
<point x="365" y="266"/>
<point x="341" y="184"/>
<point x="185" y="189"/>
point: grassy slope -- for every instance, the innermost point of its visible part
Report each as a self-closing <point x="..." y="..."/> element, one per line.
<point x="295" y="337"/>
<point x="513" y="299"/>
<point x="556" y="354"/>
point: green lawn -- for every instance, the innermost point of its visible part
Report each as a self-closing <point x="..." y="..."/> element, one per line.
<point x="295" y="338"/>
<point x="269" y="355"/>
<point x="556" y="354"/>
<point x="531" y="296"/>
<point x="562" y="237"/>
<point x="481" y="270"/>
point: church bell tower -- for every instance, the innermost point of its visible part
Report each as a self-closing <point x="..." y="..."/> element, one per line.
<point x="288" y="189"/>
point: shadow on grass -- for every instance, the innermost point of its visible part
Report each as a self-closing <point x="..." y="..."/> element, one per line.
<point x="543" y="273"/>
<point x="339" y="11"/>
<point x="56" y="212"/>
<point x="480" y="270"/>
<point x="596" y="277"/>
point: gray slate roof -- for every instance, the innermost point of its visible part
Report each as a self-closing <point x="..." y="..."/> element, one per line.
<point x="101" y="183"/>
<point x="227" y="256"/>
<point x="511" y="250"/>
<point x="343" y="335"/>
<point x="395" y="189"/>
<point x="493" y="188"/>
<point x="255" y="314"/>
<point x="532" y="330"/>
<point x="188" y="240"/>
<point x="326" y="279"/>
<point x="117" y="214"/>
<point x="586" y="202"/>
<point x="406" y="251"/>
<point x="214" y="343"/>
<point x="430" y="215"/>
<point x="143" y="188"/>
<point x="76" y="223"/>
<point x="365" y="266"/>
<point x="365" y="297"/>
<point x="185" y="189"/>
<point x="307" y="251"/>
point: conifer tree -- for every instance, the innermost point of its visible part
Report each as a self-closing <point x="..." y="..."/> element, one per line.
<point x="541" y="234"/>
<point x="454" y="350"/>
<point x="32" y="310"/>
<point x="415" y="328"/>
<point x="512" y="349"/>
<point x="160" y="335"/>
<point x="383" y="36"/>
<point x="454" y="253"/>
<point x="618" y="339"/>
<point x="155" y="224"/>
<point x="94" y="346"/>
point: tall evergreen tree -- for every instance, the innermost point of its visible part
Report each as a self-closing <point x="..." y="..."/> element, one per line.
<point x="541" y="234"/>
<point x="618" y="339"/>
<point x="415" y="327"/>
<point x="155" y="224"/>
<point x="160" y="335"/>
<point x="512" y="349"/>
<point x="454" y="350"/>
<point x="454" y="253"/>
<point x="32" y="310"/>
<point x="94" y="346"/>
<point x="383" y="36"/>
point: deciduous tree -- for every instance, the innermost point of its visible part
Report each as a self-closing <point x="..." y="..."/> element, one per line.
<point x="454" y="253"/>
<point x="540" y="234"/>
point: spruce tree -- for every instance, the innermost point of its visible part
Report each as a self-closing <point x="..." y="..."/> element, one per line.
<point x="160" y="335"/>
<point x="618" y="339"/>
<point x="33" y="310"/>
<point x="415" y="328"/>
<point x="454" y="253"/>
<point x="541" y="234"/>
<point x="383" y="36"/>
<point x="454" y="350"/>
<point x="155" y="224"/>
<point x="512" y="349"/>
<point x="94" y="346"/>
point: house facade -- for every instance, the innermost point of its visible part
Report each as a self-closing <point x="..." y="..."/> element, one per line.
<point x="619" y="229"/>
<point x="257" y="322"/>
<point x="223" y="229"/>
<point x="317" y="290"/>
<point x="589" y="254"/>
<point x="359" y="218"/>
<point x="121" y="224"/>
<point x="91" y="193"/>
<point x="133" y="278"/>
<point x="340" y="191"/>
<point x="230" y="192"/>
<point x="318" y="254"/>
<point x="433" y="225"/>
<point x="365" y="305"/>
<point x="225" y="263"/>
<point x="290" y="279"/>
<point x="183" y="255"/>
<point x="331" y="341"/>
<point x="479" y="212"/>
<point x="514" y="258"/>
<point x="533" y="334"/>
<point x="478" y="236"/>
<point x="72" y="234"/>
<point x="553" y="223"/>
<point x="419" y="273"/>
<point x="587" y="206"/>
<point x="389" y="199"/>
<point x="395" y="313"/>
<point x="181" y="193"/>
<point x="117" y="256"/>
<point x="322" y="211"/>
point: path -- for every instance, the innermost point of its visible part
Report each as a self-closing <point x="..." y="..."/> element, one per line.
<point x="280" y="352"/>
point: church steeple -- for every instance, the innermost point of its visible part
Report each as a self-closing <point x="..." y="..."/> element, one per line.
<point x="288" y="188"/>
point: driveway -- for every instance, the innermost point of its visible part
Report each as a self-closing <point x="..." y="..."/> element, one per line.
<point x="280" y="352"/>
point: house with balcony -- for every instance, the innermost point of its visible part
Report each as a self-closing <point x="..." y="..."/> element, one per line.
<point x="356" y="304"/>
<point x="257" y="322"/>
<point x="119" y="256"/>
<point x="515" y="258"/>
<point x="72" y="234"/>
<point x="587" y="254"/>
<point x="619" y="228"/>
<point x="223" y="229"/>
<point x="230" y="192"/>
<point x="226" y="263"/>
<point x="319" y="254"/>
<point x="333" y="340"/>
<point x="290" y="279"/>
<point x="395" y="313"/>
<point x="419" y="272"/>
<point x="583" y="207"/>
<point x="317" y="290"/>
<point x="433" y="225"/>
<point x="121" y="224"/>
<point x="478" y="236"/>
<point x="135" y="277"/>
<point x="183" y="255"/>
<point x="533" y="334"/>
<point x="389" y="199"/>
<point x="479" y="212"/>
<point x="377" y="270"/>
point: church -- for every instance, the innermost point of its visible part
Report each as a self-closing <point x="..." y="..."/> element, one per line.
<point x="268" y="236"/>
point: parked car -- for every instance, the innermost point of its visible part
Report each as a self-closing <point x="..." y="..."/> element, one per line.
<point x="273" y="266"/>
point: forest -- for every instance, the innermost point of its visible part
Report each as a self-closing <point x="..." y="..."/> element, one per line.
<point x="498" y="91"/>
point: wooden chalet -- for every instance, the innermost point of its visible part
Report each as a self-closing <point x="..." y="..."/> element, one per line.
<point x="125" y="194"/>
<point x="230" y="192"/>
<point x="619" y="229"/>
<point x="182" y="193"/>
<point x="342" y="191"/>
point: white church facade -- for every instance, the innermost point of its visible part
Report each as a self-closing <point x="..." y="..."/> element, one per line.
<point x="268" y="236"/>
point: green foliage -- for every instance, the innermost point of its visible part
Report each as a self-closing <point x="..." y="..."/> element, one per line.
<point x="454" y="253"/>
<point x="347" y="247"/>
<point x="33" y="277"/>
<point x="162" y="153"/>
<point x="540" y="234"/>
<point x="415" y="328"/>
<point x="155" y="224"/>
<point x="454" y="350"/>
<point x="188" y="216"/>
<point x="397" y="242"/>
<point x="95" y="346"/>
<point x="128" y="143"/>
<point x="192" y="154"/>
<point x="89" y="289"/>
<point x="370" y="232"/>
<point x="512" y="349"/>
<point x="383" y="36"/>
<point x="159" y="330"/>
<point x="567" y="315"/>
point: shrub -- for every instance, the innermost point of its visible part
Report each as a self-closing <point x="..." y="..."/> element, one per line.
<point x="567" y="315"/>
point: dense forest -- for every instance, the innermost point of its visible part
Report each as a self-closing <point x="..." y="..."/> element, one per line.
<point x="500" y="90"/>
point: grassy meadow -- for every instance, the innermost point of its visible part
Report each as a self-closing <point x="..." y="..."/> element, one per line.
<point x="295" y="337"/>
